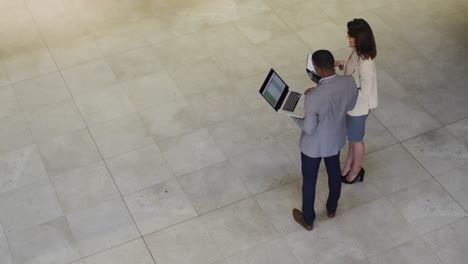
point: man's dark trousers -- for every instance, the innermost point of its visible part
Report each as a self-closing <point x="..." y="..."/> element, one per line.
<point x="310" y="167"/>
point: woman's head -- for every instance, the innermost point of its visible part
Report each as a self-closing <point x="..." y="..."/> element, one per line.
<point x="361" y="37"/>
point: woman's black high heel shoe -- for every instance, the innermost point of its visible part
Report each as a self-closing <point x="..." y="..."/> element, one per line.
<point x="360" y="176"/>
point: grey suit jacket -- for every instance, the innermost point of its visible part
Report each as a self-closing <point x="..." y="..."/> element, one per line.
<point x="324" y="125"/>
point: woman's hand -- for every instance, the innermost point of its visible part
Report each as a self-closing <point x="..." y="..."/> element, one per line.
<point x="308" y="90"/>
<point x="339" y="64"/>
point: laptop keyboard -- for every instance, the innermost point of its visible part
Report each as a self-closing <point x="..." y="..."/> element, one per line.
<point x="291" y="101"/>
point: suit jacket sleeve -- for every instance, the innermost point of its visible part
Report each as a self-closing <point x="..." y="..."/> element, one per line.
<point x="366" y="77"/>
<point x="309" y="123"/>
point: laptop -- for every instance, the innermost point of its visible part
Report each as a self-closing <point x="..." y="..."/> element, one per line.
<point x="278" y="95"/>
<point x="311" y="70"/>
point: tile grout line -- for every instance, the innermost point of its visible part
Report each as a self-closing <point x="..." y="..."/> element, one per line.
<point x="102" y="159"/>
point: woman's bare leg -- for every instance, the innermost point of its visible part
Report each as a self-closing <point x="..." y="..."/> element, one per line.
<point x="349" y="160"/>
<point x="358" y="156"/>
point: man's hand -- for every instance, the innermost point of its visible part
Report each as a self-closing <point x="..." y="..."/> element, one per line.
<point x="308" y="90"/>
<point x="339" y="64"/>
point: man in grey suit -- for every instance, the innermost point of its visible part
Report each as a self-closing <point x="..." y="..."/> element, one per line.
<point x="323" y="134"/>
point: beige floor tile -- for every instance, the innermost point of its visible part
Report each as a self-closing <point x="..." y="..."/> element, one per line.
<point x="377" y="136"/>
<point x="198" y="77"/>
<point x="8" y="103"/>
<point x="327" y="243"/>
<point x="352" y="196"/>
<point x="394" y="14"/>
<point x="5" y="255"/>
<point x="169" y="51"/>
<point x="427" y="38"/>
<point x="438" y="101"/>
<point x="393" y="168"/>
<point x="276" y="4"/>
<point x="117" y="40"/>
<point x="438" y="151"/>
<point x="159" y="206"/>
<point x="449" y="242"/>
<point x="248" y="89"/>
<point x="71" y="52"/>
<point x="89" y="77"/>
<point x="241" y="63"/>
<point x="414" y="251"/>
<point x="406" y="119"/>
<point x="393" y="50"/>
<point x="170" y="120"/>
<point x="14" y="133"/>
<point x="94" y="232"/>
<point x="55" y="120"/>
<point x="213" y="187"/>
<point x="274" y="252"/>
<point x="28" y="206"/>
<point x="245" y="8"/>
<point x="135" y="63"/>
<point x="283" y="50"/>
<point x="4" y="78"/>
<point x="39" y="92"/>
<point x="450" y="62"/>
<point x="417" y="75"/>
<point x="459" y="129"/>
<point x="315" y="39"/>
<point x="427" y="206"/>
<point x="279" y="203"/>
<point x="48" y="243"/>
<point x="84" y="187"/>
<point x="437" y="9"/>
<point x="120" y="135"/>
<point x="262" y="27"/>
<point x="376" y="227"/>
<point x="21" y="167"/>
<point x="104" y="105"/>
<point x="264" y="169"/>
<point x="154" y="29"/>
<point x="340" y="8"/>
<point x="394" y="90"/>
<point x="217" y="105"/>
<point x="185" y="243"/>
<point x="139" y="169"/>
<point x="231" y="227"/>
<point x="455" y="182"/>
<point x="191" y="152"/>
<point x="132" y="252"/>
<point x="29" y="63"/>
<point x="241" y="135"/>
<point x="68" y="152"/>
<point x="300" y="14"/>
<point x="280" y="127"/>
<point x="152" y="90"/>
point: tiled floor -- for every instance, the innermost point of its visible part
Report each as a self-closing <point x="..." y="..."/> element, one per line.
<point x="132" y="132"/>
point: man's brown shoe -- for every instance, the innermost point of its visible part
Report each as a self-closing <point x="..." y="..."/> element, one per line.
<point x="331" y="214"/>
<point x="300" y="219"/>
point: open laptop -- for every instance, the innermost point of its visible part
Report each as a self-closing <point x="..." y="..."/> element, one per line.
<point x="278" y="95"/>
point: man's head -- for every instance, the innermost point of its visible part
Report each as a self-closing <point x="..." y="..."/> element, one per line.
<point x="324" y="63"/>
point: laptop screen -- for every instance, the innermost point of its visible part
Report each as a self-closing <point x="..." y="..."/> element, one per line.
<point x="273" y="89"/>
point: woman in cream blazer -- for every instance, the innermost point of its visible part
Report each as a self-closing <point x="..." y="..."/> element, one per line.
<point x="361" y="66"/>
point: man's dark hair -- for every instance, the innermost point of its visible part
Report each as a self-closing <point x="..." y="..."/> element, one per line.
<point x="364" y="40"/>
<point x="324" y="60"/>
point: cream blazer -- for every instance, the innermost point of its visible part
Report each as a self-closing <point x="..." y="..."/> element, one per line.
<point x="365" y="76"/>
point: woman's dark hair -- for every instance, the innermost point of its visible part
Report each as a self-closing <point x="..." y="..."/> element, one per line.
<point x="324" y="59"/>
<point x="364" y="38"/>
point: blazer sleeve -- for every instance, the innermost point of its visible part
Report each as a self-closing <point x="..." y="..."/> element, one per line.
<point x="366" y="77"/>
<point x="309" y="123"/>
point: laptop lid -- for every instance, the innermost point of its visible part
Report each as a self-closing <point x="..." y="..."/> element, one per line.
<point x="274" y="90"/>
